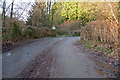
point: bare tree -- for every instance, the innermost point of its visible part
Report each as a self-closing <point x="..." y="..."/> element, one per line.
<point x="11" y="14"/>
<point x="3" y="13"/>
<point x="117" y="41"/>
<point x="119" y="32"/>
<point x="21" y="9"/>
<point x="113" y="13"/>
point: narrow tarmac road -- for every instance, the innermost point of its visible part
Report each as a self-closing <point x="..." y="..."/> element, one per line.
<point x="49" y="58"/>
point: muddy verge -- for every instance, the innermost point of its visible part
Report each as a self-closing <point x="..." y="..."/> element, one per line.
<point x="106" y="66"/>
<point x="13" y="45"/>
<point x="8" y="47"/>
<point x="43" y="66"/>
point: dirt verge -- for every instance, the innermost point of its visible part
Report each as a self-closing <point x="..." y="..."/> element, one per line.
<point x="106" y="66"/>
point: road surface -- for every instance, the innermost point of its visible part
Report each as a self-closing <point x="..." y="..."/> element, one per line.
<point x="48" y="58"/>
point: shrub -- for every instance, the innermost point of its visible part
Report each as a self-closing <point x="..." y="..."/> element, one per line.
<point x="29" y="32"/>
<point x="16" y="31"/>
<point x="103" y="31"/>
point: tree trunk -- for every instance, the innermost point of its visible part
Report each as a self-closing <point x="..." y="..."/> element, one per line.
<point x="11" y="14"/>
<point x="3" y="13"/>
<point x="76" y="10"/>
<point x="119" y="38"/>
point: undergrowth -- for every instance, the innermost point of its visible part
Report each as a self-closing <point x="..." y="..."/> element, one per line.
<point x="97" y="46"/>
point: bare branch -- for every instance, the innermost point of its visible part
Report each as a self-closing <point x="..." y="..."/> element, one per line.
<point x="113" y="13"/>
